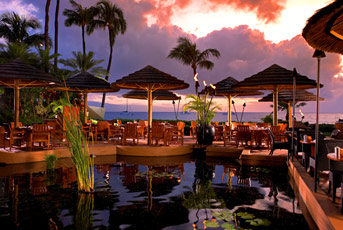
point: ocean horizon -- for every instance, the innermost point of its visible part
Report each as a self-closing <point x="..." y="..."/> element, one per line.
<point x="324" y="118"/>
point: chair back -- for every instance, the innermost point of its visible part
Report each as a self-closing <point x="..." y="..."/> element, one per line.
<point x="156" y="123"/>
<point x="235" y="124"/>
<point x="8" y="128"/>
<point x="40" y="128"/>
<point x="157" y="131"/>
<point x="174" y="123"/>
<point x="263" y="125"/>
<point x="20" y="124"/>
<point x="103" y="125"/>
<point x="194" y="124"/>
<point x="181" y="126"/>
<point x="272" y="137"/>
<point x="275" y="130"/>
<point x="243" y="129"/>
<point x="283" y="127"/>
<point x="130" y="130"/>
<point x="141" y="123"/>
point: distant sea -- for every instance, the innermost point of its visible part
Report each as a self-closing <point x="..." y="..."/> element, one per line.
<point x="327" y="118"/>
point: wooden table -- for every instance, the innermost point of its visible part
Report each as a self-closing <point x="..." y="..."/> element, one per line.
<point x="335" y="175"/>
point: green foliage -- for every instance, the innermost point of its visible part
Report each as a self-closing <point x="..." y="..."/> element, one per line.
<point x="245" y="215"/>
<point x="50" y="161"/>
<point x="259" y="222"/>
<point x="14" y="28"/>
<point x="188" y="54"/>
<point x="227" y="226"/>
<point x="223" y="215"/>
<point x="78" y="148"/>
<point x="154" y="173"/>
<point x="84" y="63"/>
<point x="84" y="212"/>
<point x="206" y="109"/>
<point x="211" y="224"/>
<point x="17" y="51"/>
<point x="268" y="118"/>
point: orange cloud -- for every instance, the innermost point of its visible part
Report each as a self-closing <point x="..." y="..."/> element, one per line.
<point x="266" y="10"/>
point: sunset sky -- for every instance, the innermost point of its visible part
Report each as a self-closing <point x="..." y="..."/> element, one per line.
<point x="251" y="35"/>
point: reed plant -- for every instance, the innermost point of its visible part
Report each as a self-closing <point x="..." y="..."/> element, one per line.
<point x="78" y="148"/>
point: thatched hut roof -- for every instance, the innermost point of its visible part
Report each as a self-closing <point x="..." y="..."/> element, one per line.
<point x="224" y="88"/>
<point x="156" y="95"/>
<point x="287" y="96"/>
<point x="150" y="77"/>
<point x="86" y="82"/>
<point x="277" y="77"/>
<point x="24" y="75"/>
<point x="324" y="29"/>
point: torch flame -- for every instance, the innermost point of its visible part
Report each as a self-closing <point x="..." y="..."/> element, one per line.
<point x="196" y="77"/>
<point x="204" y="82"/>
<point x="213" y="87"/>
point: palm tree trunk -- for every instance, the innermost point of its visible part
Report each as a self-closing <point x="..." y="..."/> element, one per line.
<point x="108" y="66"/>
<point x="56" y="33"/>
<point x="83" y="39"/>
<point x="46" y="29"/>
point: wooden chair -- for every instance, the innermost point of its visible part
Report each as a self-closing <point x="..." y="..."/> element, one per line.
<point x="227" y="134"/>
<point x="130" y="132"/>
<point x="193" y="128"/>
<point x="219" y="132"/>
<point x="102" y="130"/>
<point x="158" y="133"/>
<point x="142" y="129"/>
<point x="278" y="144"/>
<point x="215" y="123"/>
<point x="276" y="132"/>
<point x="4" y="138"/>
<point x="40" y="134"/>
<point x="178" y="133"/>
<point x="14" y="136"/>
<point x="116" y="133"/>
<point x="243" y="134"/>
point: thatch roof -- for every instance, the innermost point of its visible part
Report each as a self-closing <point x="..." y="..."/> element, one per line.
<point x="275" y="76"/>
<point x="287" y="96"/>
<point x="24" y="75"/>
<point x="224" y="88"/>
<point x="324" y="29"/>
<point x="150" y="77"/>
<point x="86" y="82"/>
<point x="156" y="95"/>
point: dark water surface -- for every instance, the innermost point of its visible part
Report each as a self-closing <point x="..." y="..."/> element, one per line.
<point x="149" y="193"/>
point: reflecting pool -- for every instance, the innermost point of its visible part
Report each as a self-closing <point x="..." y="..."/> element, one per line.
<point x="149" y="193"/>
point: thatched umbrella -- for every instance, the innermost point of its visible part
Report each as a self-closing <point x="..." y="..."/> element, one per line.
<point x="276" y="78"/>
<point x="150" y="79"/>
<point x="224" y="88"/>
<point x="85" y="83"/>
<point x="17" y="74"/>
<point x="287" y="97"/>
<point x="324" y="29"/>
<point x="156" y="95"/>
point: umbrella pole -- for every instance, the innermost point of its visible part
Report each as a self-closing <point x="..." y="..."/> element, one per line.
<point x="317" y="127"/>
<point x="16" y="104"/>
<point x="275" y="106"/>
<point x="149" y="114"/>
<point x="229" y="110"/>
<point x="293" y="113"/>
<point x="290" y="112"/>
<point x="85" y="98"/>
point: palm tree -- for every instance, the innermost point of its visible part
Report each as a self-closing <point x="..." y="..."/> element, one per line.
<point x="45" y="59"/>
<point x="14" y="29"/>
<point x="56" y="34"/>
<point x="46" y="27"/>
<point x="17" y="51"/>
<point x="187" y="53"/>
<point x="84" y="63"/>
<point x="111" y="17"/>
<point x="80" y="16"/>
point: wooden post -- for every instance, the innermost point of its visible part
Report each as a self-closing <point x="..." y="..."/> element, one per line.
<point x="149" y="113"/>
<point x="290" y="112"/>
<point x="229" y="110"/>
<point x="275" y="106"/>
<point x="16" y="104"/>
<point x="85" y="101"/>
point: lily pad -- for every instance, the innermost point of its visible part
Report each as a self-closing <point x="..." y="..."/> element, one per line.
<point x="246" y="216"/>
<point x="211" y="224"/>
<point x="228" y="226"/>
<point x="259" y="222"/>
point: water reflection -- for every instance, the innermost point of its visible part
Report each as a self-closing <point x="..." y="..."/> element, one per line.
<point x="147" y="193"/>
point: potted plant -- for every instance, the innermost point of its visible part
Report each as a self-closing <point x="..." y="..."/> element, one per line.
<point x="205" y="110"/>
